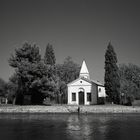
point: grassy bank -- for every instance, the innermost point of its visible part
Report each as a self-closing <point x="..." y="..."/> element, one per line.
<point x="70" y="109"/>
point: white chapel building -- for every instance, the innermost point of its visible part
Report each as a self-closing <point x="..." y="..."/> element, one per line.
<point x="84" y="91"/>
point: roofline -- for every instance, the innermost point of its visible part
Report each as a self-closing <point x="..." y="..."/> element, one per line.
<point x="73" y="81"/>
<point x="92" y="81"/>
<point x="87" y="80"/>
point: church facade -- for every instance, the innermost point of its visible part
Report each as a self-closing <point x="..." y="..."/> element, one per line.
<point x="84" y="91"/>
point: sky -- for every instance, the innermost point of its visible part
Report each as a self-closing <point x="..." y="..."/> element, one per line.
<point x="81" y="29"/>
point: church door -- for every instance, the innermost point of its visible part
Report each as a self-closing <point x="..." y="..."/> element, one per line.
<point x="81" y="98"/>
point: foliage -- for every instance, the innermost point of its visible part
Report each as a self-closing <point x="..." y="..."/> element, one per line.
<point x="34" y="77"/>
<point x="130" y="80"/>
<point x="61" y="95"/>
<point x="27" y="53"/>
<point x="49" y="57"/>
<point x="68" y="71"/>
<point x="3" y="88"/>
<point x="112" y="81"/>
<point x="39" y="78"/>
<point x="101" y="100"/>
<point x="12" y="87"/>
<point x="49" y="61"/>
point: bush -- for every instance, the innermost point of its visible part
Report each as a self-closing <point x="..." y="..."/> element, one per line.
<point x="101" y="100"/>
<point x="129" y="101"/>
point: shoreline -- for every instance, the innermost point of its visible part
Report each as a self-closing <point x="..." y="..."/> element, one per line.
<point x="68" y="109"/>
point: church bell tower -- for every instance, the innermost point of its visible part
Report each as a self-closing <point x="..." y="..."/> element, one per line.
<point x="84" y="71"/>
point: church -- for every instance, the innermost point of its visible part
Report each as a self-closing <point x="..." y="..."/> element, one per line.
<point x="84" y="91"/>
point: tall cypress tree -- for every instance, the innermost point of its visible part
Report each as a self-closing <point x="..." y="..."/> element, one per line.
<point x="112" y="80"/>
<point x="50" y="61"/>
<point x="49" y="57"/>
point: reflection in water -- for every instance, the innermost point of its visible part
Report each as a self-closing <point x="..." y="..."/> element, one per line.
<point x="81" y="127"/>
<point x="69" y="127"/>
<point x="77" y="127"/>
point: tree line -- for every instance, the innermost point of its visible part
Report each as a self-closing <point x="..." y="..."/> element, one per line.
<point x="37" y="79"/>
<point x="122" y="82"/>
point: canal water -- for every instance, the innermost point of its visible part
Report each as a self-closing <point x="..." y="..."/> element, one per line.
<point x="69" y="127"/>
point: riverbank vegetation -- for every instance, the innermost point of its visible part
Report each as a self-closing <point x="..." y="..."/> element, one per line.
<point x="122" y="82"/>
<point x="40" y="80"/>
<point x="37" y="78"/>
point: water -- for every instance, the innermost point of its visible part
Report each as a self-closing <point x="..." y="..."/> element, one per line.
<point x="69" y="127"/>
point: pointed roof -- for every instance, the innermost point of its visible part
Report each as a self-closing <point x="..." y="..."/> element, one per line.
<point x="84" y="69"/>
<point x="84" y="75"/>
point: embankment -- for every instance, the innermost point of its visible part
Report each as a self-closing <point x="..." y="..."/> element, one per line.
<point x="70" y="109"/>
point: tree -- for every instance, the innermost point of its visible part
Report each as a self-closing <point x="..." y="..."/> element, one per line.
<point x="61" y="94"/>
<point x="49" y="57"/>
<point x="49" y="61"/>
<point x="3" y="88"/>
<point x="34" y="77"/>
<point x="66" y="72"/>
<point x="23" y="61"/>
<point x="12" y="87"/>
<point x="130" y="80"/>
<point x="112" y="80"/>
<point x="44" y="85"/>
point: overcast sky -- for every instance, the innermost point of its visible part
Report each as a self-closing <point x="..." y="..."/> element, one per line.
<point x="77" y="28"/>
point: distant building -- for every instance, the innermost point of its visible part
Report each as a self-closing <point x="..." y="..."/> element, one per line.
<point x="84" y="91"/>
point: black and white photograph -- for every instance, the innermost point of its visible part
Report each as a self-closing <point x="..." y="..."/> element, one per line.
<point x="69" y="69"/>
